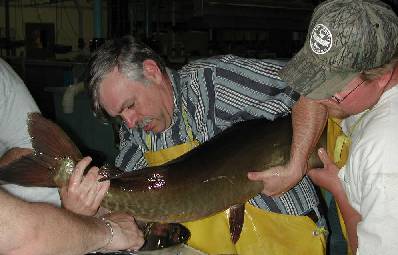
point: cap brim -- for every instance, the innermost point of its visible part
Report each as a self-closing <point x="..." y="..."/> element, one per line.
<point x="333" y="84"/>
<point x="312" y="78"/>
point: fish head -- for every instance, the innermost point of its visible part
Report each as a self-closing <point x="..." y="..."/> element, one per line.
<point x="159" y="235"/>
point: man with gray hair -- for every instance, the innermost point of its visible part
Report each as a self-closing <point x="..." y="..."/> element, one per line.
<point x="166" y="113"/>
<point x="349" y="65"/>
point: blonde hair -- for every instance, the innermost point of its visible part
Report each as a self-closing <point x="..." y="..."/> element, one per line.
<point x="377" y="72"/>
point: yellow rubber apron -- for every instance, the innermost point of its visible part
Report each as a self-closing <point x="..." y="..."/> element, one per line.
<point x="263" y="232"/>
<point x="338" y="145"/>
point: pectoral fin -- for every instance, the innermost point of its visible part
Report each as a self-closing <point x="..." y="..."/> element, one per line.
<point x="236" y="218"/>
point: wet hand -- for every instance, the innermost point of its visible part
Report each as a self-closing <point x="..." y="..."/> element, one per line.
<point x="278" y="180"/>
<point x="84" y="193"/>
<point x="326" y="177"/>
<point x="126" y="234"/>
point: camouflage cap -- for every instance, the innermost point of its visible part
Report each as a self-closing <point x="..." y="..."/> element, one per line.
<point x="344" y="38"/>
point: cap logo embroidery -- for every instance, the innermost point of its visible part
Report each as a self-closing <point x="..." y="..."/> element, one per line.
<point x="321" y="39"/>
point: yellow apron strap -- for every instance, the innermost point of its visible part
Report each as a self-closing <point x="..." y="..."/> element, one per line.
<point x="148" y="141"/>
<point x="188" y="129"/>
<point x="187" y="126"/>
<point x="340" y="142"/>
<point x="157" y="158"/>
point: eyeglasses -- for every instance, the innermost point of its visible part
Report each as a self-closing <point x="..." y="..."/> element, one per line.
<point x="339" y="100"/>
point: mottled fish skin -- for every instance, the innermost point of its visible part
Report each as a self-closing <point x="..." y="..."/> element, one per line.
<point x="209" y="179"/>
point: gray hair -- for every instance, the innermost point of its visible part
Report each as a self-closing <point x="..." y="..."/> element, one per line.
<point x="125" y="53"/>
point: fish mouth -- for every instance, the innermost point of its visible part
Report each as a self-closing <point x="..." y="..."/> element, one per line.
<point x="159" y="236"/>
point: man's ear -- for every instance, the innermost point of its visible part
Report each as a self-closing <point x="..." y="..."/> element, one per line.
<point x="384" y="80"/>
<point x="152" y="71"/>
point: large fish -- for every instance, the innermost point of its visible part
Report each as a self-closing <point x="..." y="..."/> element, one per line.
<point x="209" y="179"/>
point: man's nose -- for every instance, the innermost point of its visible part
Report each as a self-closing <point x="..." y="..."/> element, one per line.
<point x="129" y="119"/>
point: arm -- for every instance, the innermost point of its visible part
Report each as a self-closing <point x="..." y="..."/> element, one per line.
<point x="308" y="119"/>
<point x="51" y="230"/>
<point x="327" y="178"/>
<point x="351" y="219"/>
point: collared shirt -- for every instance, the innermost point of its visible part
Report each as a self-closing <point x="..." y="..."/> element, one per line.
<point x="216" y="93"/>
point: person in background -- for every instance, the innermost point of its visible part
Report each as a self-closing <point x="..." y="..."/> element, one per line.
<point x="15" y="104"/>
<point x="166" y="113"/>
<point x="349" y="65"/>
<point x="40" y="228"/>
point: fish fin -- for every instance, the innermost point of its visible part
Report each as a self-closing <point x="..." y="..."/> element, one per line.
<point x="50" y="140"/>
<point x="236" y="218"/>
<point x="27" y="171"/>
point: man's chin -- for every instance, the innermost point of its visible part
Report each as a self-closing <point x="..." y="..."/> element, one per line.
<point x="155" y="129"/>
<point x="160" y="129"/>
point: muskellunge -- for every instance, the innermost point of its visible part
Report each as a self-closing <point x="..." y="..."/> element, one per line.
<point x="209" y="179"/>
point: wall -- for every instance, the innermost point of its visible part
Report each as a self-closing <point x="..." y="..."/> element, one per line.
<point x="63" y="14"/>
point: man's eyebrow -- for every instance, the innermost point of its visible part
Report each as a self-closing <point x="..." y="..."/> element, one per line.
<point x="117" y="112"/>
<point x="120" y="109"/>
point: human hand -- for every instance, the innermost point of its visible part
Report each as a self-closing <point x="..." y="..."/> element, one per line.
<point x="126" y="234"/>
<point x="278" y="180"/>
<point x="83" y="194"/>
<point x="326" y="177"/>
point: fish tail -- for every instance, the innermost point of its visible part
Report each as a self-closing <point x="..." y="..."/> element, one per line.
<point x="49" y="141"/>
<point x="27" y="171"/>
<point x="50" y="147"/>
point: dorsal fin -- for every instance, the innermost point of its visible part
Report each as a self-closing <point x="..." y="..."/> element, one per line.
<point x="49" y="139"/>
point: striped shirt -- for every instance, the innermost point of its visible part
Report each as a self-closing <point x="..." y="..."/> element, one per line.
<point x="216" y="93"/>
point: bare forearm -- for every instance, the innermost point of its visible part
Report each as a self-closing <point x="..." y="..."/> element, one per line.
<point x="49" y="230"/>
<point x="351" y="219"/>
<point x="309" y="119"/>
<point x="84" y="234"/>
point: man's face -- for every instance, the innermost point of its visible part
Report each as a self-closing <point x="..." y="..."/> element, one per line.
<point x="148" y="106"/>
<point x="357" y="96"/>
